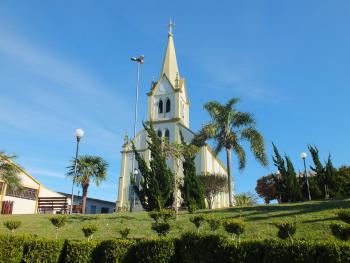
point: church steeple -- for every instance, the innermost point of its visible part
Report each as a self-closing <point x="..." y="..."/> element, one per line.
<point x="170" y="68"/>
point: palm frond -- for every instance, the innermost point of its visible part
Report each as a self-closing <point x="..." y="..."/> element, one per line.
<point x="257" y="144"/>
<point x="238" y="149"/>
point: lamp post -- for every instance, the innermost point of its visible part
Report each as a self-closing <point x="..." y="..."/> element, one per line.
<point x="79" y="133"/>
<point x="139" y="60"/>
<point x="303" y="156"/>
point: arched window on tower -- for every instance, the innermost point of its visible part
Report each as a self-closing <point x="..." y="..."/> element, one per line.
<point x="167" y="134"/>
<point x="167" y="105"/>
<point x="159" y="133"/>
<point x="160" y="106"/>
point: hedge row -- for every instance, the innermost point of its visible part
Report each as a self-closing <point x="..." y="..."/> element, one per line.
<point x="188" y="248"/>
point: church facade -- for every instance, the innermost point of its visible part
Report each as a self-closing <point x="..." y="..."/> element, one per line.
<point x="169" y="111"/>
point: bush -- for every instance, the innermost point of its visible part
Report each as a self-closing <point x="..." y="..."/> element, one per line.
<point x="213" y="222"/>
<point x="124" y="232"/>
<point x="344" y="215"/>
<point x="162" y="215"/>
<point x="341" y="232"/>
<point x="79" y="251"/>
<point x="245" y="199"/>
<point x="157" y="251"/>
<point x="197" y="220"/>
<point x="116" y="250"/>
<point x="11" y="248"/>
<point x="162" y="228"/>
<point x="235" y="227"/>
<point x="89" y="231"/>
<point x="58" y="222"/>
<point x="38" y="250"/>
<point x="12" y="225"/>
<point x="286" y="229"/>
<point x="189" y="248"/>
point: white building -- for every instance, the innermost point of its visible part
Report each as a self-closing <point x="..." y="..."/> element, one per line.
<point x="169" y="110"/>
<point x="25" y="201"/>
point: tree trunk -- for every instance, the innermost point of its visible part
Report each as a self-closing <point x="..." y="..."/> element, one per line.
<point x="229" y="178"/>
<point x="85" y="189"/>
<point x="210" y="201"/>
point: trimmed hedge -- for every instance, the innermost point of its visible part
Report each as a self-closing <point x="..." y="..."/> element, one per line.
<point x="189" y="248"/>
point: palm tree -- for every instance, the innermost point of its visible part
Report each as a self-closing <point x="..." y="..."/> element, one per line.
<point x="229" y="127"/>
<point x="89" y="168"/>
<point x="9" y="172"/>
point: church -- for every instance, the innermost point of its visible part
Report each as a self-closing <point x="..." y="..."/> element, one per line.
<point x="169" y="111"/>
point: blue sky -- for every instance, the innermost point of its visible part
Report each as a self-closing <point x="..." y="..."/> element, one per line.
<point x="65" y="65"/>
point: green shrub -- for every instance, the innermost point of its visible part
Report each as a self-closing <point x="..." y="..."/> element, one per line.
<point x="154" y="251"/>
<point x="213" y="222"/>
<point x="162" y="215"/>
<point x="344" y="215"/>
<point x="340" y="231"/>
<point x="80" y="251"/>
<point x="38" y="250"/>
<point x="235" y="227"/>
<point x="89" y="231"/>
<point x="162" y="228"/>
<point x="11" y="248"/>
<point x="245" y="199"/>
<point x="58" y="222"/>
<point x="116" y="250"/>
<point x="12" y="225"/>
<point x="286" y="229"/>
<point x="193" y="248"/>
<point x="124" y="232"/>
<point x="197" y="220"/>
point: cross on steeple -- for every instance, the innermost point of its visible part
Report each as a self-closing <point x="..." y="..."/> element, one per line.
<point x="171" y="26"/>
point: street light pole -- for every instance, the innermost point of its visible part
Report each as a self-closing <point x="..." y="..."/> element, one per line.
<point x="79" y="133"/>
<point x="139" y="60"/>
<point x="303" y="156"/>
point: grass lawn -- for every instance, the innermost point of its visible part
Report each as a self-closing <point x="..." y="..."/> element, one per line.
<point x="313" y="219"/>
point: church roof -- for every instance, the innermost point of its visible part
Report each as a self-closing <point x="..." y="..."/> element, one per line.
<point x="170" y="67"/>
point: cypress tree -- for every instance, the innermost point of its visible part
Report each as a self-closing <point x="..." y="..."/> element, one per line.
<point x="281" y="178"/>
<point x="157" y="180"/>
<point x="319" y="169"/>
<point x="192" y="189"/>
<point x="293" y="193"/>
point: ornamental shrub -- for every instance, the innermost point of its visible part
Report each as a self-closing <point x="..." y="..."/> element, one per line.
<point x="162" y="228"/>
<point x="213" y="222"/>
<point x="344" y="215"/>
<point x="286" y="229"/>
<point x="197" y="220"/>
<point x="154" y="251"/>
<point x="162" y="215"/>
<point x="235" y="227"/>
<point x="124" y="232"/>
<point x="58" y="222"/>
<point x="11" y="248"/>
<point x="79" y="251"/>
<point x="89" y="231"/>
<point x="340" y="231"/>
<point x="12" y="225"/>
<point x="38" y="250"/>
<point x="115" y="250"/>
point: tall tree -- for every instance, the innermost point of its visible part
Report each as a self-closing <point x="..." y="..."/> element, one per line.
<point x="213" y="184"/>
<point x="156" y="187"/>
<point x="89" y="169"/>
<point x="229" y="127"/>
<point x="319" y="169"/>
<point x="293" y="193"/>
<point x="9" y="172"/>
<point x="281" y="174"/>
<point x="192" y="190"/>
<point x="266" y="188"/>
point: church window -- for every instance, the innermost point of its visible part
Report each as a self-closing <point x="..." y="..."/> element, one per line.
<point x="160" y="106"/>
<point x="167" y="105"/>
<point x="159" y="133"/>
<point x="167" y="134"/>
